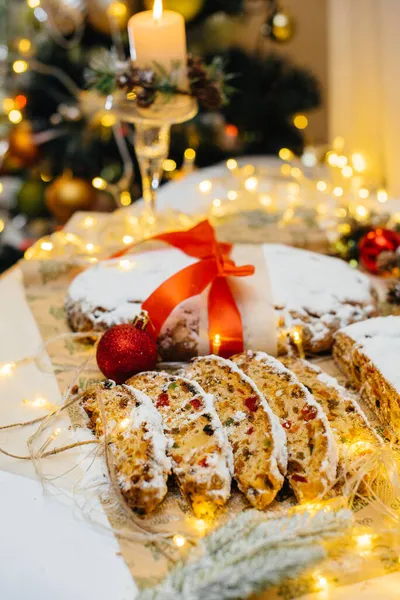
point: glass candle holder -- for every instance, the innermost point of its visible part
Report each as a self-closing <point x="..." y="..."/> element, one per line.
<point x="151" y="138"/>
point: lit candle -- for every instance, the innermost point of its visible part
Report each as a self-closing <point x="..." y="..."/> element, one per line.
<point x="216" y="345"/>
<point x="159" y="36"/>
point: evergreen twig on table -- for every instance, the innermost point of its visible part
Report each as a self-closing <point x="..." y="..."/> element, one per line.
<point x="250" y="554"/>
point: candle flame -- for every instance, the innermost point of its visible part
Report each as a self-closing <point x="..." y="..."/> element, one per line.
<point x="157" y="10"/>
<point x="216" y="345"/>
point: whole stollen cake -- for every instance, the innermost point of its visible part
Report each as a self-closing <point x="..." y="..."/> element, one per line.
<point x="368" y="353"/>
<point x="290" y="288"/>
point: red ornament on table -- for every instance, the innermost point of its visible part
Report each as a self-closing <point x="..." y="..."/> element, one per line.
<point x="125" y="350"/>
<point x="374" y="243"/>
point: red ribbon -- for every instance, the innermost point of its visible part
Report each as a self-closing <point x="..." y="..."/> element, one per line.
<point x="213" y="268"/>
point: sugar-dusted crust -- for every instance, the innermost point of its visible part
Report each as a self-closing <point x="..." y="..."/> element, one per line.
<point x="200" y="452"/>
<point x="312" y="452"/>
<point x="112" y="292"/>
<point x="318" y="293"/>
<point x="368" y="354"/>
<point x="254" y="432"/>
<point x="137" y="442"/>
<point x="353" y="434"/>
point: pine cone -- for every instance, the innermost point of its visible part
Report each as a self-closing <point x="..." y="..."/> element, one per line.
<point x="393" y="294"/>
<point x="210" y="97"/>
<point x="134" y="79"/>
<point x="147" y="78"/>
<point x="122" y="80"/>
<point x="145" y="98"/>
<point x="197" y="73"/>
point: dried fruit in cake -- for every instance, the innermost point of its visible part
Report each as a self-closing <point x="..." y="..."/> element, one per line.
<point x="200" y="452"/>
<point x="354" y="436"/>
<point x="368" y="354"/>
<point x="254" y="432"/>
<point x="137" y="442"/>
<point x="312" y="453"/>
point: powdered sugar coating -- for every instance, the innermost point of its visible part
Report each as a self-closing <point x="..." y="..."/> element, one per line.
<point x="112" y="291"/>
<point x="135" y="438"/>
<point x="344" y="393"/>
<point x="145" y="414"/>
<point x="201" y="454"/>
<point x="280" y="448"/>
<point x="321" y="292"/>
<point x="330" y="464"/>
<point x="379" y="340"/>
<point x="216" y="424"/>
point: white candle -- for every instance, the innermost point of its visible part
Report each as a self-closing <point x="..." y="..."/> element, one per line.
<point x="159" y="36"/>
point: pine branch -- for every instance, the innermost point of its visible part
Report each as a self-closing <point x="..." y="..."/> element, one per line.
<point x="249" y="554"/>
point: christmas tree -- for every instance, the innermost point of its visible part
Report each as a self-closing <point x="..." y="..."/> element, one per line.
<point x="67" y="157"/>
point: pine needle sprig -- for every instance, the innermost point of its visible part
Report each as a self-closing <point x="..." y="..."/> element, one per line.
<point x="249" y="554"/>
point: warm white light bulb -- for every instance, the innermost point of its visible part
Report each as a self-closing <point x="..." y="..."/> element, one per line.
<point x="251" y="183"/>
<point x="382" y="196"/>
<point x="178" y="540"/>
<point x="47" y="246"/>
<point x="364" y="543"/>
<point x="7" y="369"/>
<point x="205" y="186"/>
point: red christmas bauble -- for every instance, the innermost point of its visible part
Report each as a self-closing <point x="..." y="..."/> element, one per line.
<point x="374" y="243"/>
<point x="125" y="350"/>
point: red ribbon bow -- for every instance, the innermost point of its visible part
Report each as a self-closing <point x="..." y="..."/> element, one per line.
<point x="213" y="268"/>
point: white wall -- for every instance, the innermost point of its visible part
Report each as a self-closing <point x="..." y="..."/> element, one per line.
<point x="364" y="83"/>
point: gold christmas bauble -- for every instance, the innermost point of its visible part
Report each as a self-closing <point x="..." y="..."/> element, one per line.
<point x="22" y="145"/>
<point x="280" y="27"/>
<point x="99" y="13"/>
<point x="67" y="194"/>
<point x="189" y="9"/>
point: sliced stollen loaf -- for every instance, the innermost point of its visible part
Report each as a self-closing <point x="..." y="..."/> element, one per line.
<point x="256" y="436"/>
<point x="368" y="353"/>
<point x="312" y="452"/>
<point x="136" y="441"/>
<point x="200" y="451"/>
<point x="353" y="434"/>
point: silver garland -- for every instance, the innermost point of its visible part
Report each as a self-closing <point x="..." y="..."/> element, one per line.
<point x="250" y="554"/>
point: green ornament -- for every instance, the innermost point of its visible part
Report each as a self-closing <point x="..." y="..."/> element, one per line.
<point x="30" y="198"/>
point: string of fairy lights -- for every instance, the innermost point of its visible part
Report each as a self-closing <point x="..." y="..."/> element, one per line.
<point x="339" y="191"/>
<point x="362" y="541"/>
<point x="284" y="192"/>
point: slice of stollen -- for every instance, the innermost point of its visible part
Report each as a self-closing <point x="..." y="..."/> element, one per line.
<point x="136" y="439"/>
<point x="368" y="354"/>
<point x="354" y="436"/>
<point x="312" y="452"/>
<point x="254" y="432"/>
<point x="200" y="452"/>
